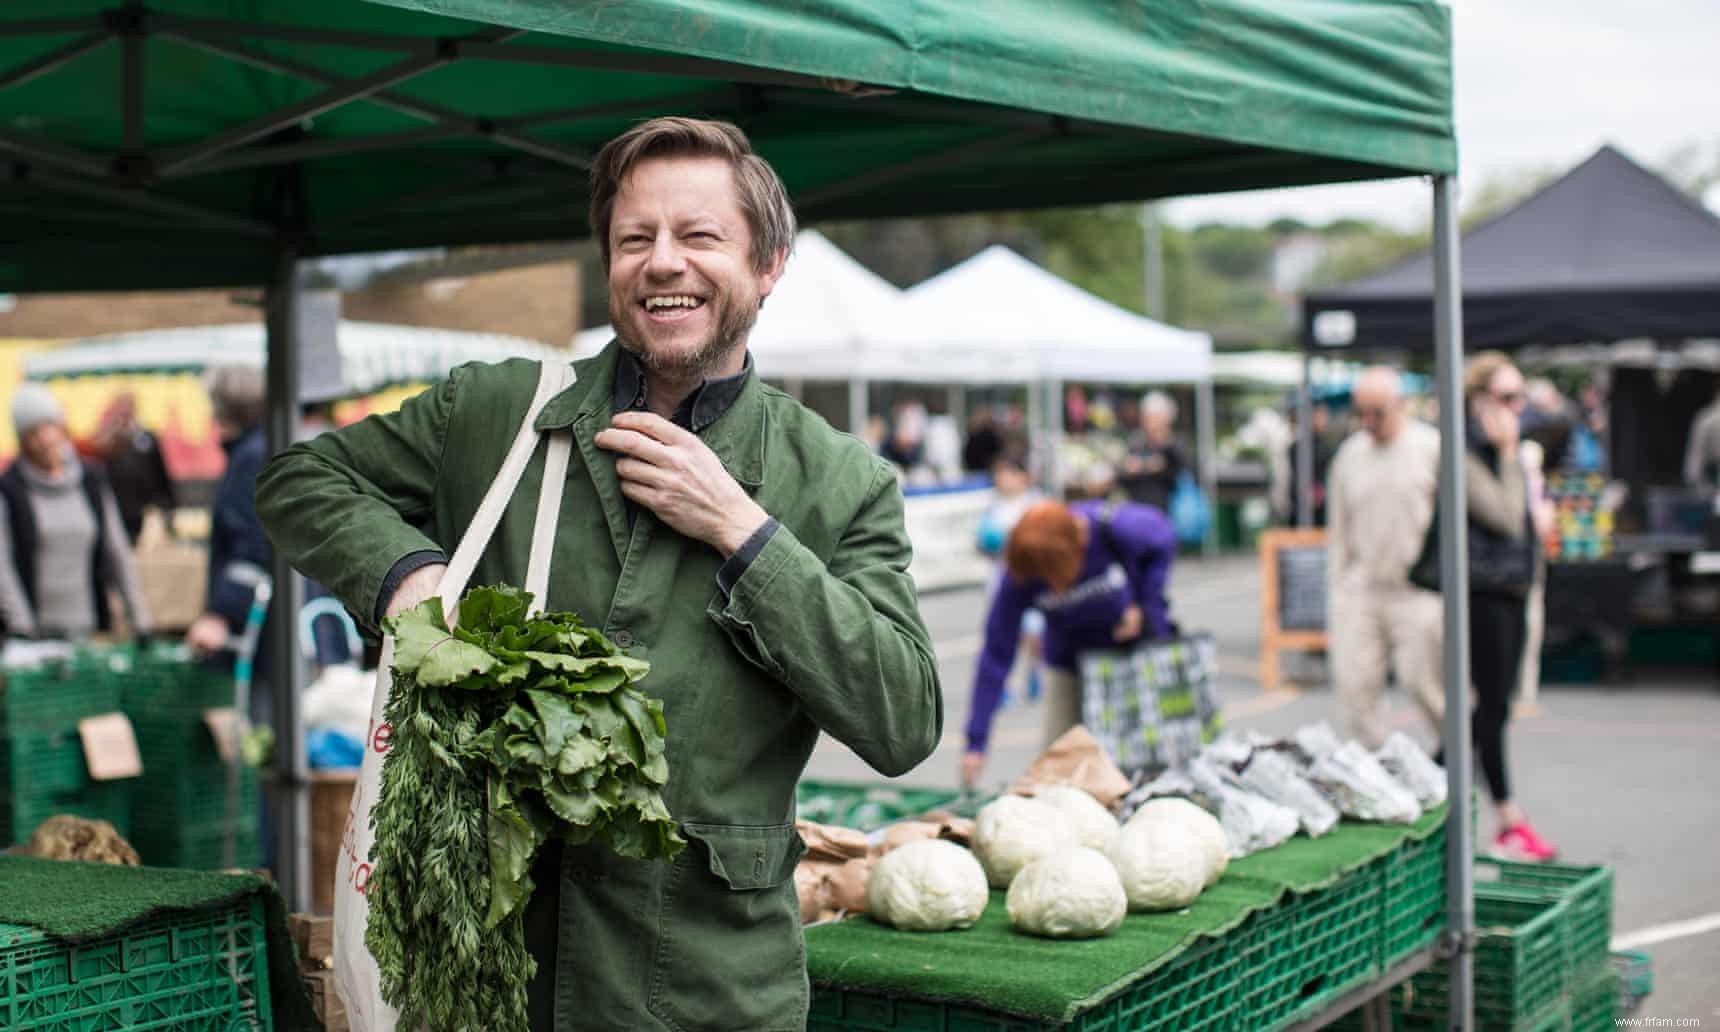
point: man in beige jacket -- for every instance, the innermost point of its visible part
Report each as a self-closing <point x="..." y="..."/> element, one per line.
<point x="1379" y="501"/>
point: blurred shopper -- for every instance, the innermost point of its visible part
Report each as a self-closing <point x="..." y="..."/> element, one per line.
<point x="239" y="554"/>
<point x="131" y="458"/>
<point x="1320" y="418"/>
<point x="1502" y="558"/>
<point x="62" y="544"/>
<point x="1702" y="454"/>
<point x="1546" y="436"/>
<point x="984" y="445"/>
<point x="906" y="445"/>
<point x="1097" y="572"/>
<point x="1148" y="475"/>
<point x="1383" y="483"/>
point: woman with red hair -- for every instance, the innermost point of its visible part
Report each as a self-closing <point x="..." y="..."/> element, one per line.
<point x="1097" y="571"/>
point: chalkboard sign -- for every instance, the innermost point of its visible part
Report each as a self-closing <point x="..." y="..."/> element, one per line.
<point x="1302" y="588"/>
<point x="1292" y="596"/>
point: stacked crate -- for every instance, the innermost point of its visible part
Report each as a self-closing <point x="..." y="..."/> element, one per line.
<point x="42" y="767"/>
<point x="182" y="813"/>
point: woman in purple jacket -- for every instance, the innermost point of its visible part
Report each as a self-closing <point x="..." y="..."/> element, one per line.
<point x="1097" y="571"/>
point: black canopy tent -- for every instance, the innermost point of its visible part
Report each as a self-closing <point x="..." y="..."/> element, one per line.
<point x="1608" y="251"/>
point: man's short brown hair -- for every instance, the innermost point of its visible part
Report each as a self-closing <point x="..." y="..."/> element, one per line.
<point x="763" y="198"/>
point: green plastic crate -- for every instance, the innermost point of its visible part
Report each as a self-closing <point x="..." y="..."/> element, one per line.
<point x="1586" y="891"/>
<point x="1635" y="972"/>
<point x="43" y="774"/>
<point x="867" y="807"/>
<point x="55" y="695"/>
<point x="1595" y="999"/>
<point x="1520" y="970"/>
<point x="1414" y="894"/>
<point x="1198" y="991"/>
<point x="198" y="846"/>
<point x="1312" y="948"/>
<point x="202" y="971"/>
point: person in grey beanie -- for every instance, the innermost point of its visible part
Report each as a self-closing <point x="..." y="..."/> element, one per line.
<point x="62" y="545"/>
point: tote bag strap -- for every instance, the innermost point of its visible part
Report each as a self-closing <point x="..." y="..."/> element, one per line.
<point x="548" y="512"/>
<point x="553" y="378"/>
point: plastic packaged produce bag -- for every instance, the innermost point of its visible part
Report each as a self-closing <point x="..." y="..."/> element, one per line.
<point x="1362" y="788"/>
<point x="1271" y="775"/>
<point x="1251" y="823"/>
<point x="1317" y="740"/>
<point x="1414" y="768"/>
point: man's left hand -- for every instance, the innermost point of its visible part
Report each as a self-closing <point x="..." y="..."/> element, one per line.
<point x="207" y="635"/>
<point x="674" y="474"/>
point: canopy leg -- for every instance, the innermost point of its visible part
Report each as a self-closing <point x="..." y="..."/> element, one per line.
<point x="1454" y="579"/>
<point x="289" y="811"/>
<point x="1304" y="474"/>
<point x="1206" y="434"/>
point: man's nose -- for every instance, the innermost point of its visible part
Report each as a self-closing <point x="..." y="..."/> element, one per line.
<point x="666" y="259"/>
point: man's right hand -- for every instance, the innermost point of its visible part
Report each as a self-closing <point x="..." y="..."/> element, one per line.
<point x="419" y="585"/>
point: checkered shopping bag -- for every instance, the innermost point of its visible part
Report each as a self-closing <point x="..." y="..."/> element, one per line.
<point x="1153" y="705"/>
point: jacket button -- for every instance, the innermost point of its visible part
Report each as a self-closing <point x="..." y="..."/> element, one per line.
<point x="623" y="639"/>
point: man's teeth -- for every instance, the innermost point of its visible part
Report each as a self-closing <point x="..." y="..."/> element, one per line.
<point x="677" y="301"/>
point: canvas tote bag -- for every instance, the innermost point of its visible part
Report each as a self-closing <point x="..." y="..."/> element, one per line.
<point x="356" y="976"/>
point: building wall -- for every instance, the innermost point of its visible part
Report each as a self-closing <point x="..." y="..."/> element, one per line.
<point x="540" y="302"/>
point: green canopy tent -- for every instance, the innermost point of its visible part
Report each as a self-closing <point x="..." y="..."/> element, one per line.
<point x="180" y="143"/>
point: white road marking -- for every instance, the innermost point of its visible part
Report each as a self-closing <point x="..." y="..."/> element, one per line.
<point x="1668" y="932"/>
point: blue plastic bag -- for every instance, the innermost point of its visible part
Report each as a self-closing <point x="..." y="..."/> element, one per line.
<point x="1189" y="512"/>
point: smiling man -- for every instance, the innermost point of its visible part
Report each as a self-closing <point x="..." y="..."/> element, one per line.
<point x="710" y="525"/>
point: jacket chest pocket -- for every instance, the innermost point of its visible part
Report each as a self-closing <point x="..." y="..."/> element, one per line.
<point x="729" y="948"/>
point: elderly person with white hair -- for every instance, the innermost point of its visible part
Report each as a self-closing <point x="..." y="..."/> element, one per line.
<point x="62" y="544"/>
<point x="1379" y="502"/>
<point x="1148" y="475"/>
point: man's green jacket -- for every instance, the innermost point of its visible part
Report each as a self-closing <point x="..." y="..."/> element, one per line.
<point x="820" y="633"/>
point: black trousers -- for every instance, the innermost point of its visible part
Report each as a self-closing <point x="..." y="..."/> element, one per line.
<point x="1497" y="628"/>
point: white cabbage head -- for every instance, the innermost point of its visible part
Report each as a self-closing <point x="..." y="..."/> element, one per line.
<point x="927" y="886"/>
<point x="1162" y="863"/>
<point x="1214" y="843"/>
<point x="1072" y="894"/>
<point x="1012" y="832"/>
<point x="1094" y="825"/>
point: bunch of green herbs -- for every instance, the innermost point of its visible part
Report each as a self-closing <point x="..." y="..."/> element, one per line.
<point x="505" y="730"/>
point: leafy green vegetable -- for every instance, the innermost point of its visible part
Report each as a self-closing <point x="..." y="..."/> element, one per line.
<point x="507" y="729"/>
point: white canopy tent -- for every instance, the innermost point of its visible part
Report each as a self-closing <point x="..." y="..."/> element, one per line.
<point x="997" y="312"/>
<point x="372" y="356"/>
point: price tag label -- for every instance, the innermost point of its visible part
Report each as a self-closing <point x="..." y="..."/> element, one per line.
<point x="110" y="747"/>
<point x="224" y="727"/>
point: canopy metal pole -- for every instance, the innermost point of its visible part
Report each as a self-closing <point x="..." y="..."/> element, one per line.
<point x="1055" y="413"/>
<point x="1206" y="435"/>
<point x="858" y="403"/>
<point x="1304" y="500"/>
<point x="290" y="812"/>
<point x="958" y="407"/>
<point x="1454" y="578"/>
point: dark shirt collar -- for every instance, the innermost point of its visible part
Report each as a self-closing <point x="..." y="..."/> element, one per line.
<point x="696" y="411"/>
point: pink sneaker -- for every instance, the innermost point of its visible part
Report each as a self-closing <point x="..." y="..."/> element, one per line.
<point x="1520" y="843"/>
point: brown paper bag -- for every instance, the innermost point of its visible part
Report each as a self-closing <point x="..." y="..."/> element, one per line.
<point x="827" y="842"/>
<point x="1076" y="759"/>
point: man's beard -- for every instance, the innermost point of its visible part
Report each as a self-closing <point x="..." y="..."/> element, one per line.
<point x="734" y="322"/>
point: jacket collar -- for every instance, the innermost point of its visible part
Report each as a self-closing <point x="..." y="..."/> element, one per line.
<point x="736" y="436"/>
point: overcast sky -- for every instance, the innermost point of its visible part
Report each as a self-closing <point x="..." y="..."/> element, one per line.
<point x="1541" y="84"/>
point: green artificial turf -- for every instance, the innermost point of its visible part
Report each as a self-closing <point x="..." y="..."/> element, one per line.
<point x="994" y="968"/>
<point x="77" y="902"/>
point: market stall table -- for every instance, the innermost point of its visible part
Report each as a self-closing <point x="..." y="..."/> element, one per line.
<point x="1286" y="935"/>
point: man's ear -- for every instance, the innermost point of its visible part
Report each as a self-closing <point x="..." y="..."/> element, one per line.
<point x="772" y="273"/>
